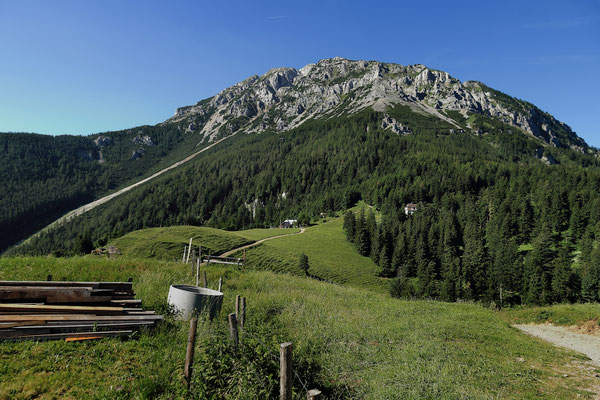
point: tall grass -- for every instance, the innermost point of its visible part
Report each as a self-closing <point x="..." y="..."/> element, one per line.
<point x="349" y="342"/>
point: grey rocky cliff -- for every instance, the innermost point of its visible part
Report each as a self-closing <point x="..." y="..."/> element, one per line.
<point x="284" y="98"/>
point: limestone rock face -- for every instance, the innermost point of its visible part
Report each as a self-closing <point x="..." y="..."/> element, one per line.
<point x="102" y="141"/>
<point x="284" y="98"/>
<point x="137" y="154"/>
<point x="142" y="139"/>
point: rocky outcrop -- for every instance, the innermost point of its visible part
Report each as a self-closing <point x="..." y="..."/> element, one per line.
<point x="390" y="123"/>
<point x="137" y="154"/>
<point x="142" y="140"/>
<point x="284" y="98"/>
<point x="102" y="141"/>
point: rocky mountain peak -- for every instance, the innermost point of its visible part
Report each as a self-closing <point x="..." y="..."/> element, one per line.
<point x="284" y="98"/>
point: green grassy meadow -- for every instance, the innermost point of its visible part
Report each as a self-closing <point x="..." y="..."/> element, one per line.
<point x="560" y="314"/>
<point x="168" y="243"/>
<point x="348" y="342"/>
<point x="331" y="257"/>
<point x="351" y="339"/>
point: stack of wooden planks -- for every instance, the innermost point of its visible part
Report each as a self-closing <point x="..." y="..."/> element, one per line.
<point x="44" y="310"/>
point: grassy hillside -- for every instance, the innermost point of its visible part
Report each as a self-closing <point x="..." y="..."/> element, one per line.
<point x="560" y="314"/>
<point x="349" y="342"/>
<point x="330" y="255"/>
<point x="167" y="243"/>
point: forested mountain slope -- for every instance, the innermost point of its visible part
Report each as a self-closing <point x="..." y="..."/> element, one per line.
<point x="508" y="210"/>
<point x="43" y="177"/>
<point x="492" y="217"/>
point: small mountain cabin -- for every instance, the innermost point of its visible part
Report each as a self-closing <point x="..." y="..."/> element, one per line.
<point x="410" y="208"/>
<point x="289" y="223"/>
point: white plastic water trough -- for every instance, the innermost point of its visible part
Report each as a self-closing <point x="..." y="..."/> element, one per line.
<point x="188" y="300"/>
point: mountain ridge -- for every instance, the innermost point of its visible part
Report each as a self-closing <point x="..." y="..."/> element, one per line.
<point x="284" y="98"/>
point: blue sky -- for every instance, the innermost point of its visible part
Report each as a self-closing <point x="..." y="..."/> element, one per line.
<point x="79" y="67"/>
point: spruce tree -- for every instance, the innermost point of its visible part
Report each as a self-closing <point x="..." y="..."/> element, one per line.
<point x="561" y="276"/>
<point x="590" y="277"/>
<point x="362" y="239"/>
<point x="538" y="268"/>
<point x="350" y="225"/>
<point x="303" y="264"/>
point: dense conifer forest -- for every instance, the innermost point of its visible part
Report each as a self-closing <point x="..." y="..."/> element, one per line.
<point x="43" y="177"/>
<point x="494" y="223"/>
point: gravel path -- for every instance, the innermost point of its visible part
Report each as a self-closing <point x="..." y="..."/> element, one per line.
<point x="563" y="337"/>
<point x="90" y="206"/>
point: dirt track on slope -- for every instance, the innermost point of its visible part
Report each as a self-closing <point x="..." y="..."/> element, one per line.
<point x="230" y="252"/>
<point x="90" y="206"/>
<point x="563" y="337"/>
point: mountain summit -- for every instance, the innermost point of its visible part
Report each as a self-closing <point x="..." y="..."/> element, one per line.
<point x="285" y="98"/>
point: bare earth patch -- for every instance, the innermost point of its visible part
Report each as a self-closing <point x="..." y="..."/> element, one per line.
<point x="564" y="337"/>
<point x="586" y="373"/>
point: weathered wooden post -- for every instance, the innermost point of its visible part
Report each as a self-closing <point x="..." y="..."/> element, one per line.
<point x="197" y="271"/>
<point x="187" y="260"/>
<point x="285" y="371"/>
<point x="243" y="312"/>
<point x="237" y="306"/>
<point x="189" y="353"/>
<point x="184" y="254"/>
<point x="233" y="330"/>
<point x="220" y="284"/>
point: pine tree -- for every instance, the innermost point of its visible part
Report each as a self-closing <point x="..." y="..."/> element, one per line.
<point x="350" y="225"/>
<point x="363" y="236"/>
<point x="590" y="277"/>
<point x="303" y="264"/>
<point x="538" y="268"/>
<point x="474" y="261"/>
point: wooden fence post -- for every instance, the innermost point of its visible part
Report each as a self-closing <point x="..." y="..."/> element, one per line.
<point x="285" y="371"/>
<point x="237" y="306"/>
<point x="243" y="312"/>
<point x="197" y="272"/>
<point x="220" y="284"/>
<point x="233" y="330"/>
<point x="313" y="394"/>
<point x="189" y="353"/>
<point x="184" y="253"/>
<point x="187" y="260"/>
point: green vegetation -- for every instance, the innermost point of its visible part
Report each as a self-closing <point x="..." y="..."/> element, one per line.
<point x="348" y="342"/>
<point x="481" y="198"/>
<point x="43" y="177"/>
<point x="560" y="314"/>
<point x="331" y="258"/>
<point x="168" y="243"/>
<point x="259" y="234"/>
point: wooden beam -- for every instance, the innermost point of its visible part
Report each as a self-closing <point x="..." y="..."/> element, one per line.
<point x="31" y="307"/>
<point x="77" y="317"/>
<point x="52" y="336"/>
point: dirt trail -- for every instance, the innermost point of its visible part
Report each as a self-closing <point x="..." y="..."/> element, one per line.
<point x="230" y="252"/>
<point x="90" y="206"/>
<point x="563" y="337"/>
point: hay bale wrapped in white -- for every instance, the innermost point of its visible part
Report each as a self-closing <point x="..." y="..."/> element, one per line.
<point x="187" y="300"/>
